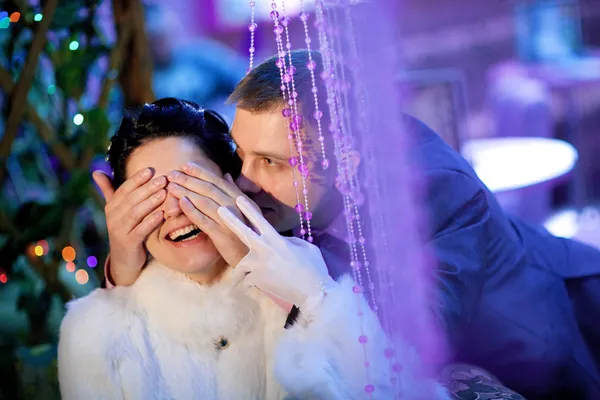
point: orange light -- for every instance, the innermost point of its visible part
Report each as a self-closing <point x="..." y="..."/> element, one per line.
<point x="70" y="267"/>
<point x="31" y="250"/>
<point x="14" y="17"/>
<point x="68" y="254"/>
<point x="82" y="277"/>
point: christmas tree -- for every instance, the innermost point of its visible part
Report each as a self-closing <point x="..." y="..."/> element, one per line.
<point x="66" y="70"/>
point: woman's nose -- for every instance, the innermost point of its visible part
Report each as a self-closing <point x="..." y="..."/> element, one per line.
<point x="171" y="207"/>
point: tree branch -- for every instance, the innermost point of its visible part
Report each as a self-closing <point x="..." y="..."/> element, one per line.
<point x="44" y="130"/>
<point x="136" y="73"/>
<point x="19" y="95"/>
<point x="116" y="60"/>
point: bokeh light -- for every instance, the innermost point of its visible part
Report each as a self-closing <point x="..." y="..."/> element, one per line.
<point x="45" y="246"/>
<point x="82" y="277"/>
<point x="39" y="250"/>
<point x="38" y="17"/>
<point x="74" y="45"/>
<point x="70" y="266"/>
<point x="3" y="278"/>
<point x="78" y="119"/>
<point x="51" y="89"/>
<point x="68" y="254"/>
<point x="4" y="22"/>
<point x="92" y="261"/>
<point x="14" y="17"/>
<point x="31" y="250"/>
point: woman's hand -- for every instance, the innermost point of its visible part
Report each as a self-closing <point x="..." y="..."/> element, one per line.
<point x="131" y="215"/>
<point x="288" y="268"/>
<point x="201" y="193"/>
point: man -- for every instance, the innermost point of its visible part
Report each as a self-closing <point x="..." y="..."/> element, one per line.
<point x="516" y="300"/>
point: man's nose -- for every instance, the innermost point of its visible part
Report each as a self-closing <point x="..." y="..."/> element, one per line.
<point x="171" y="207"/>
<point x="246" y="185"/>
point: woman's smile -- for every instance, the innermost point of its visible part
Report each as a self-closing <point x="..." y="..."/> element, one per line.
<point x="183" y="234"/>
<point x="194" y="240"/>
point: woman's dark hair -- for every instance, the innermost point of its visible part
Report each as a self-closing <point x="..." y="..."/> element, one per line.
<point x="167" y="118"/>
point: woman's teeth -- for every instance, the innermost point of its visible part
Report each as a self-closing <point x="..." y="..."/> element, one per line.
<point x="195" y="235"/>
<point x="175" y="235"/>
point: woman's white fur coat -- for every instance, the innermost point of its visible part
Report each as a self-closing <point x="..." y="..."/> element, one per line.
<point x="166" y="337"/>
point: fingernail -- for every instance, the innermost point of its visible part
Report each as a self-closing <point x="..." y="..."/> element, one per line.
<point x="159" y="181"/>
<point x="146" y="172"/>
<point x="188" y="166"/>
<point x="228" y="178"/>
<point x="173" y="175"/>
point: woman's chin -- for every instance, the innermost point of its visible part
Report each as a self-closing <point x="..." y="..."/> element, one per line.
<point x="199" y="261"/>
<point x="197" y="256"/>
<point x="202" y="267"/>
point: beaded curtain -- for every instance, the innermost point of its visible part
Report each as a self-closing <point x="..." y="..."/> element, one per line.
<point x="389" y="262"/>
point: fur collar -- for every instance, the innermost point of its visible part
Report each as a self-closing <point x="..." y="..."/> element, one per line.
<point x="180" y="308"/>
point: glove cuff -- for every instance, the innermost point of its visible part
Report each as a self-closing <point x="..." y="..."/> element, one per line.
<point x="314" y="301"/>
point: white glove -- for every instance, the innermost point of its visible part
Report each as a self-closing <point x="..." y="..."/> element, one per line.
<point x="288" y="268"/>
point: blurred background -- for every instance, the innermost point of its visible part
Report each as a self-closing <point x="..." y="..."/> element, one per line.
<point x="512" y="85"/>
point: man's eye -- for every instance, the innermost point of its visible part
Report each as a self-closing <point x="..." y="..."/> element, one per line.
<point x="270" y="162"/>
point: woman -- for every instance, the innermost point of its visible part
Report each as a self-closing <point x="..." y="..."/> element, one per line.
<point x="193" y="327"/>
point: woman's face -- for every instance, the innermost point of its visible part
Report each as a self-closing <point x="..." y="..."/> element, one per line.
<point x="177" y="242"/>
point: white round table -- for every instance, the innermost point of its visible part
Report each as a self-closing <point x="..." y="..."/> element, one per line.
<point x="563" y="223"/>
<point x="583" y="226"/>
<point x="512" y="163"/>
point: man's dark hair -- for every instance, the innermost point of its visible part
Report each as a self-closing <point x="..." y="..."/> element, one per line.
<point x="167" y="118"/>
<point x="260" y="91"/>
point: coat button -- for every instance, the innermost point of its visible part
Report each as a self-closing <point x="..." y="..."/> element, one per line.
<point x="222" y="343"/>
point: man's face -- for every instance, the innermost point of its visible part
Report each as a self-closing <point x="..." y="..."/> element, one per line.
<point x="267" y="176"/>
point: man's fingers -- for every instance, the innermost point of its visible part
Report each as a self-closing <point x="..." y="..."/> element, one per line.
<point x="142" y="193"/>
<point x="148" y="224"/>
<point x="139" y="212"/>
<point x="243" y="232"/>
<point x="201" y="187"/>
<point x="255" y="217"/>
<point x="105" y="184"/>
<point x="137" y="180"/>
<point x="203" y="222"/>
<point x="197" y="171"/>
<point x="204" y="204"/>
